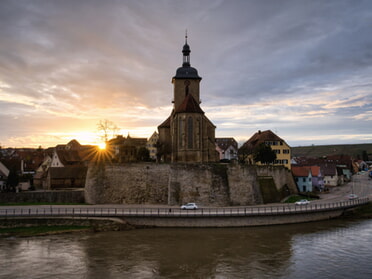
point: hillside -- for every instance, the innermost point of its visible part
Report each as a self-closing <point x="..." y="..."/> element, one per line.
<point x="354" y="150"/>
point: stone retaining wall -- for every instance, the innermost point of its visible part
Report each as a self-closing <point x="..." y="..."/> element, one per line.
<point x="139" y="183"/>
<point x="175" y="184"/>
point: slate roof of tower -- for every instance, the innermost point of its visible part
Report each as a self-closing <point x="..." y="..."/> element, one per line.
<point x="187" y="72"/>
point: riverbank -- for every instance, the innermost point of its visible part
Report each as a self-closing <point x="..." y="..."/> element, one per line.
<point x="43" y="226"/>
<point x="41" y="230"/>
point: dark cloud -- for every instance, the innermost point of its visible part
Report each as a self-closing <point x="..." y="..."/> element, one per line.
<point x="273" y="64"/>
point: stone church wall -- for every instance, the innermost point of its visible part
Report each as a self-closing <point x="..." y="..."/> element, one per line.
<point x="175" y="184"/>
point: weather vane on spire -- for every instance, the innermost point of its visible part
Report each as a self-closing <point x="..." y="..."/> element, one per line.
<point x="186" y="36"/>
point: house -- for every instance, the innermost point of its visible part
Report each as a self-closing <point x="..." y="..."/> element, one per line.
<point x="129" y="149"/>
<point x="277" y="144"/>
<point x="65" y="157"/>
<point x="125" y="149"/>
<point x="67" y="166"/>
<point x="66" y="177"/>
<point x="42" y="172"/>
<point x="345" y="171"/>
<point x="317" y="178"/>
<point x="227" y="148"/>
<point x="151" y="145"/>
<point x="362" y="165"/>
<point x="303" y="178"/>
<point x="330" y="174"/>
<point x="114" y="145"/>
<point x="4" y="173"/>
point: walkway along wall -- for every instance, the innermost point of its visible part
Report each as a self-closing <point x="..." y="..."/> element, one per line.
<point x="175" y="184"/>
<point x="128" y="217"/>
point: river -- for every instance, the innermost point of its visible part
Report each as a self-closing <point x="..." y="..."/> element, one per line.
<point x="331" y="249"/>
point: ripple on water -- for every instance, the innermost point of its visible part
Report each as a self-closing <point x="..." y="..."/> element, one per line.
<point x="333" y="249"/>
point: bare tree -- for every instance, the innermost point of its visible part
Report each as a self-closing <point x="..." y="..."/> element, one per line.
<point x="106" y="129"/>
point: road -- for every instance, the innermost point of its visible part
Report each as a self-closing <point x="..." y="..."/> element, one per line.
<point x="337" y="197"/>
<point x="360" y="185"/>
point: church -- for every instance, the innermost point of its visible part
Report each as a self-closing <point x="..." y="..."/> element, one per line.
<point x="187" y="135"/>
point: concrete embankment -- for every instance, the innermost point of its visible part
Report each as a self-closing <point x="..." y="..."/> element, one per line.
<point x="235" y="221"/>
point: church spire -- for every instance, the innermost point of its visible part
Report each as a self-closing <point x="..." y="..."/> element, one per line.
<point x="186" y="53"/>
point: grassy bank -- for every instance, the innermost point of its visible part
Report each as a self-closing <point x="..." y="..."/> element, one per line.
<point x="41" y="230"/>
<point x="38" y="203"/>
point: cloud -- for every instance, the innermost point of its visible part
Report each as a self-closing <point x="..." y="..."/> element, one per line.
<point x="287" y="65"/>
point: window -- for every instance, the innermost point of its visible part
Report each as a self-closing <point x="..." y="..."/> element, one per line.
<point x="304" y="179"/>
<point x="190" y="132"/>
<point x="285" y="151"/>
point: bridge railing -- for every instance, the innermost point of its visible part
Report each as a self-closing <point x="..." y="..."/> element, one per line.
<point x="88" y="211"/>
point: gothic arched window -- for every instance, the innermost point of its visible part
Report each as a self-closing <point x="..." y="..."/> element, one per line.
<point x="190" y="132"/>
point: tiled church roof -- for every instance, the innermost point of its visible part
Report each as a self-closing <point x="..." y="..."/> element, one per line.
<point x="189" y="105"/>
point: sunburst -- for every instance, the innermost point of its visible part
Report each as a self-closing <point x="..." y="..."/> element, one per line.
<point x="99" y="154"/>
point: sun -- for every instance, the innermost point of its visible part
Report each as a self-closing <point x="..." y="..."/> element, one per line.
<point x="102" y="146"/>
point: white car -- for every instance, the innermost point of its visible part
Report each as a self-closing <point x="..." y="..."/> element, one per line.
<point x="352" y="197"/>
<point x="189" y="205"/>
<point x="302" y="202"/>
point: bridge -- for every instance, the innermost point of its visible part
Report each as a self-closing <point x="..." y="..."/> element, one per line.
<point x="203" y="217"/>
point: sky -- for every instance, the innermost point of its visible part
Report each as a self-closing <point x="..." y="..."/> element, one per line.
<point x="300" y="68"/>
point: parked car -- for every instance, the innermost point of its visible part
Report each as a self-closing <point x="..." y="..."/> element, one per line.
<point x="302" y="202"/>
<point x="352" y="197"/>
<point x="189" y="205"/>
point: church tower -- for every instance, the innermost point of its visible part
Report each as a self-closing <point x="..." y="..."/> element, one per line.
<point x="187" y="135"/>
<point x="186" y="81"/>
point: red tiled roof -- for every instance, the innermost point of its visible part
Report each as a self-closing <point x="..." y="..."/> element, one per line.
<point x="328" y="169"/>
<point x="315" y="170"/>
<point x="189" y="105"/>
<point x="261" y="136"/>
<point x="69" y="157"/>
<point x="300" y="171"/>
<point x="224" y="143"/>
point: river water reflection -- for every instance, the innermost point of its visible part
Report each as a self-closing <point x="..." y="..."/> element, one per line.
<point x="334" y="249"/>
